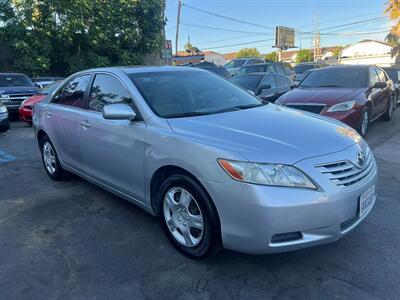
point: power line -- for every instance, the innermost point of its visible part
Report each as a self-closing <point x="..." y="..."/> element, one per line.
<point x="240" y="44"/>
<point x="220" y="29"/>
<point x="226" y="17"/>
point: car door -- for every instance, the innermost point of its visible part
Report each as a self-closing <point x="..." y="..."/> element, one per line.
<point x="382" y="95"/>
<point x="112" y="150"/>
<point x="282" y="85"/>
<point x="63" y="116"/>
<point x="268" y="94"/>
<point x="387" y="91"/>
<point x="375" y="94"/>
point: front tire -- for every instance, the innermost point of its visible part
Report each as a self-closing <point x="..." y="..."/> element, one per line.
<point x="188" y="217"/>
<point x="50" y="160"/>
<point x="364" y="122"/>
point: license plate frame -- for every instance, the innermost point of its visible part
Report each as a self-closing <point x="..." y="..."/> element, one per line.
<point x="366" y="201"/>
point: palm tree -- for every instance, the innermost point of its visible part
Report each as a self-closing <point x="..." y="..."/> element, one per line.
<point x="393" y="11"/>
<point x="393" y="38"/>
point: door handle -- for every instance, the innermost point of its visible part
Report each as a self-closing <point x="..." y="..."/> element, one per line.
<point x="85" y="124"/>
<point x="48" y="114"/>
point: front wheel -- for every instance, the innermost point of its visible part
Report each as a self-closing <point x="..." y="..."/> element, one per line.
<point x="364" y="122"/>
<point x="188" y="217"/>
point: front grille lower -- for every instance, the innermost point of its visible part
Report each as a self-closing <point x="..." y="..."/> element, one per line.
<point x="18" y="98"/>
<point x="314" y="108"/>
<point x="346" y="173"/>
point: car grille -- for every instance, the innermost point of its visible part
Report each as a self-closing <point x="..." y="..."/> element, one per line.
<point x="347" y="174"/>
<point x="18" y="98"/>
<point x="316" y="109"/>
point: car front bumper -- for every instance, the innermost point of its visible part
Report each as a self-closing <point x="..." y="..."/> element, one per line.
<point x="25" y="114"/>
<point x="260" y="219"/>
<point x="4" y="122"/>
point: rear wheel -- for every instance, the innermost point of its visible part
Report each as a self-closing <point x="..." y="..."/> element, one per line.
<point x="364" y="122"/>
<point x="50" y="159"/>
<point x="188" y="217"/>
<point x="389" y="112"/>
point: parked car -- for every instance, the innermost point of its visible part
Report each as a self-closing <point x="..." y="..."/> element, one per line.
<point x="394" y="75"/>
<point x="355" y="95"/>
<point x="15" y="88"/>
<point x="302" y="67"/>
<point x="209" y="66"/>
<point x="25" y="110"/>
<point x="218" y="166"/>
<point x="234" y="65"/>
<point x="267" y="86"/>
<point x="4" y="122"/>
<point x="41" y="82"/>
<point x="270" y="67"/>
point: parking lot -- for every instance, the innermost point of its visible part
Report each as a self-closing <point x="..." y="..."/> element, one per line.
<point x="70" y="239"/>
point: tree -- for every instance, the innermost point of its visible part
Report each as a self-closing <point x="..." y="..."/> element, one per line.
<point x="393" y="10"/>
<point x="304" y="56"/>
<point x="393" y="38"/>
<point x="60" y="37"/>
<point x="336" y="51"/>
<point x="248" y="52"/>
<point x="273" y="56"/>
<point x="191" y="49"/>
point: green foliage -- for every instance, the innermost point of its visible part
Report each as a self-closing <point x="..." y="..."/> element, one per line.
<point x="337" y="50"/>
<point x="248" y="52"/>
<point x="304" y="56"/>
<point x="273" y="56"/>
<point x="63" y="36"/>
<point x="191" y="49"/>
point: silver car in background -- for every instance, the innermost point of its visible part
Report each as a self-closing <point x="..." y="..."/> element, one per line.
<point x="218" y="166"/>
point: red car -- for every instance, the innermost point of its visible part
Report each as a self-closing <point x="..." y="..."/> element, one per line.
<point x="25" y="110"/>
<point x="355" y="95"/>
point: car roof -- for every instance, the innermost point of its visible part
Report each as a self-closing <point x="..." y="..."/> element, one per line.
<point x="343" y="67"/>
<point x="260" y="73"/>
<point x="13" y="74"/>
<point x="143" y="69"/>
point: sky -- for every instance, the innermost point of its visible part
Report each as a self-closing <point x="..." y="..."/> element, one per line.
<point x="209" y="32"/>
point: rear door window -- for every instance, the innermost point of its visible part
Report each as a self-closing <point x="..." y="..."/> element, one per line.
<point x="279" y="69"/>
<point x="73" y="92"/>
<point x="269" y="80"/>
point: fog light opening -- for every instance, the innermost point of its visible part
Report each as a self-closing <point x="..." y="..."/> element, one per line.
<point x="287" y="237"/>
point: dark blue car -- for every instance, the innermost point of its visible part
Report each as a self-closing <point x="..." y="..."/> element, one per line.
<point x="15" y="88"/>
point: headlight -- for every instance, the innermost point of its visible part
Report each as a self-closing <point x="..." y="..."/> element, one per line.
<point x="3" y="109"/>
<point x="4" y="96"/>
<point x="345" y="106"/>
<point x="267" y="174"/>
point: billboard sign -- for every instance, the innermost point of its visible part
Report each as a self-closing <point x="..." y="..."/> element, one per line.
<point x="167" y="50"/>
<point x="284" y="37"/>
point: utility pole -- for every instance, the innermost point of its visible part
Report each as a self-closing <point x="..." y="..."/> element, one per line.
<point x="316" y="37"/>
<point x="178" y="19"/>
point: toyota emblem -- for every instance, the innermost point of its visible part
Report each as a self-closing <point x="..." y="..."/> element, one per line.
<point x="361" y="158"/>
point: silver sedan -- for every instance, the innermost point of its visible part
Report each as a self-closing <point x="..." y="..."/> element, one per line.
<point x="218" y="166"/>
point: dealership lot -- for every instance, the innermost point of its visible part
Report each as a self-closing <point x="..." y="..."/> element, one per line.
<point x="71" y="239"/>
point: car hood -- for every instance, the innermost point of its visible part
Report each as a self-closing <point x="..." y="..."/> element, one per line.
<point x="34" y="99"/>
<point x="328" y="96"/>
<point x="18" y="90"/>
<point x="268" y="133"/>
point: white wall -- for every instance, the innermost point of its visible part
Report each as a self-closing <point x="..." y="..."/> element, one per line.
<point x="367" y="53"/>
<point x="216" y="58"/>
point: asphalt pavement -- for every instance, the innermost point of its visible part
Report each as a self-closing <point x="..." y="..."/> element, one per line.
<point x="72" y="240"/>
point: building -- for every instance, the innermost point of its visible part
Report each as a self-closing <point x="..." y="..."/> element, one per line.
<point x="367" y="52"/>
<point x="214" y="57"/>
<point x="326" y="54"/>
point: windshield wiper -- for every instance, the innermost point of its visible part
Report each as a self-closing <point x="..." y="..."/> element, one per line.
<point x="329" y="85"/>
<point x="240" y="107"/>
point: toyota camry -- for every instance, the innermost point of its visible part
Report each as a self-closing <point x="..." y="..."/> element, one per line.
<point x="220" y="168"/>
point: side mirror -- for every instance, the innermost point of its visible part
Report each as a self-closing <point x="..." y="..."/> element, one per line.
<point x="118" y="111"/>
<point x="265" y="87"/>
<point x="293" y="86"/>
<point x="379" y="85"/>
<point x="38" y="85"/>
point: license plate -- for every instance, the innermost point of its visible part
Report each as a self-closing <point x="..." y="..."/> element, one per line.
<point x="367" y="199"/>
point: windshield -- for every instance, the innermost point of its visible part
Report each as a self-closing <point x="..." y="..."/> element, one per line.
<point x="249" y="82"/>
<point x="190" y="93"/>
<point x="15" y="80"/>
<point x="299" y="69"/>
<point x="336" y="77"/>
<point x="393" y="74"/>
<point x="237" y="63"/>
<point x="48" y="89"/>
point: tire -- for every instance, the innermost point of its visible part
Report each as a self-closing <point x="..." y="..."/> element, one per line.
<point x="5" y="128"/>
<point x="50" y="159"/>
<point x="364" y="122"/>
<point x="182" y="203"/>
<point x="389" y="112"/>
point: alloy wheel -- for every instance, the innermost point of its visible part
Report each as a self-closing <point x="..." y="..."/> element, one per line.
<point x="364" y="123"/>
<point x="49" y="157"/>
<point x="183" y="217"/>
